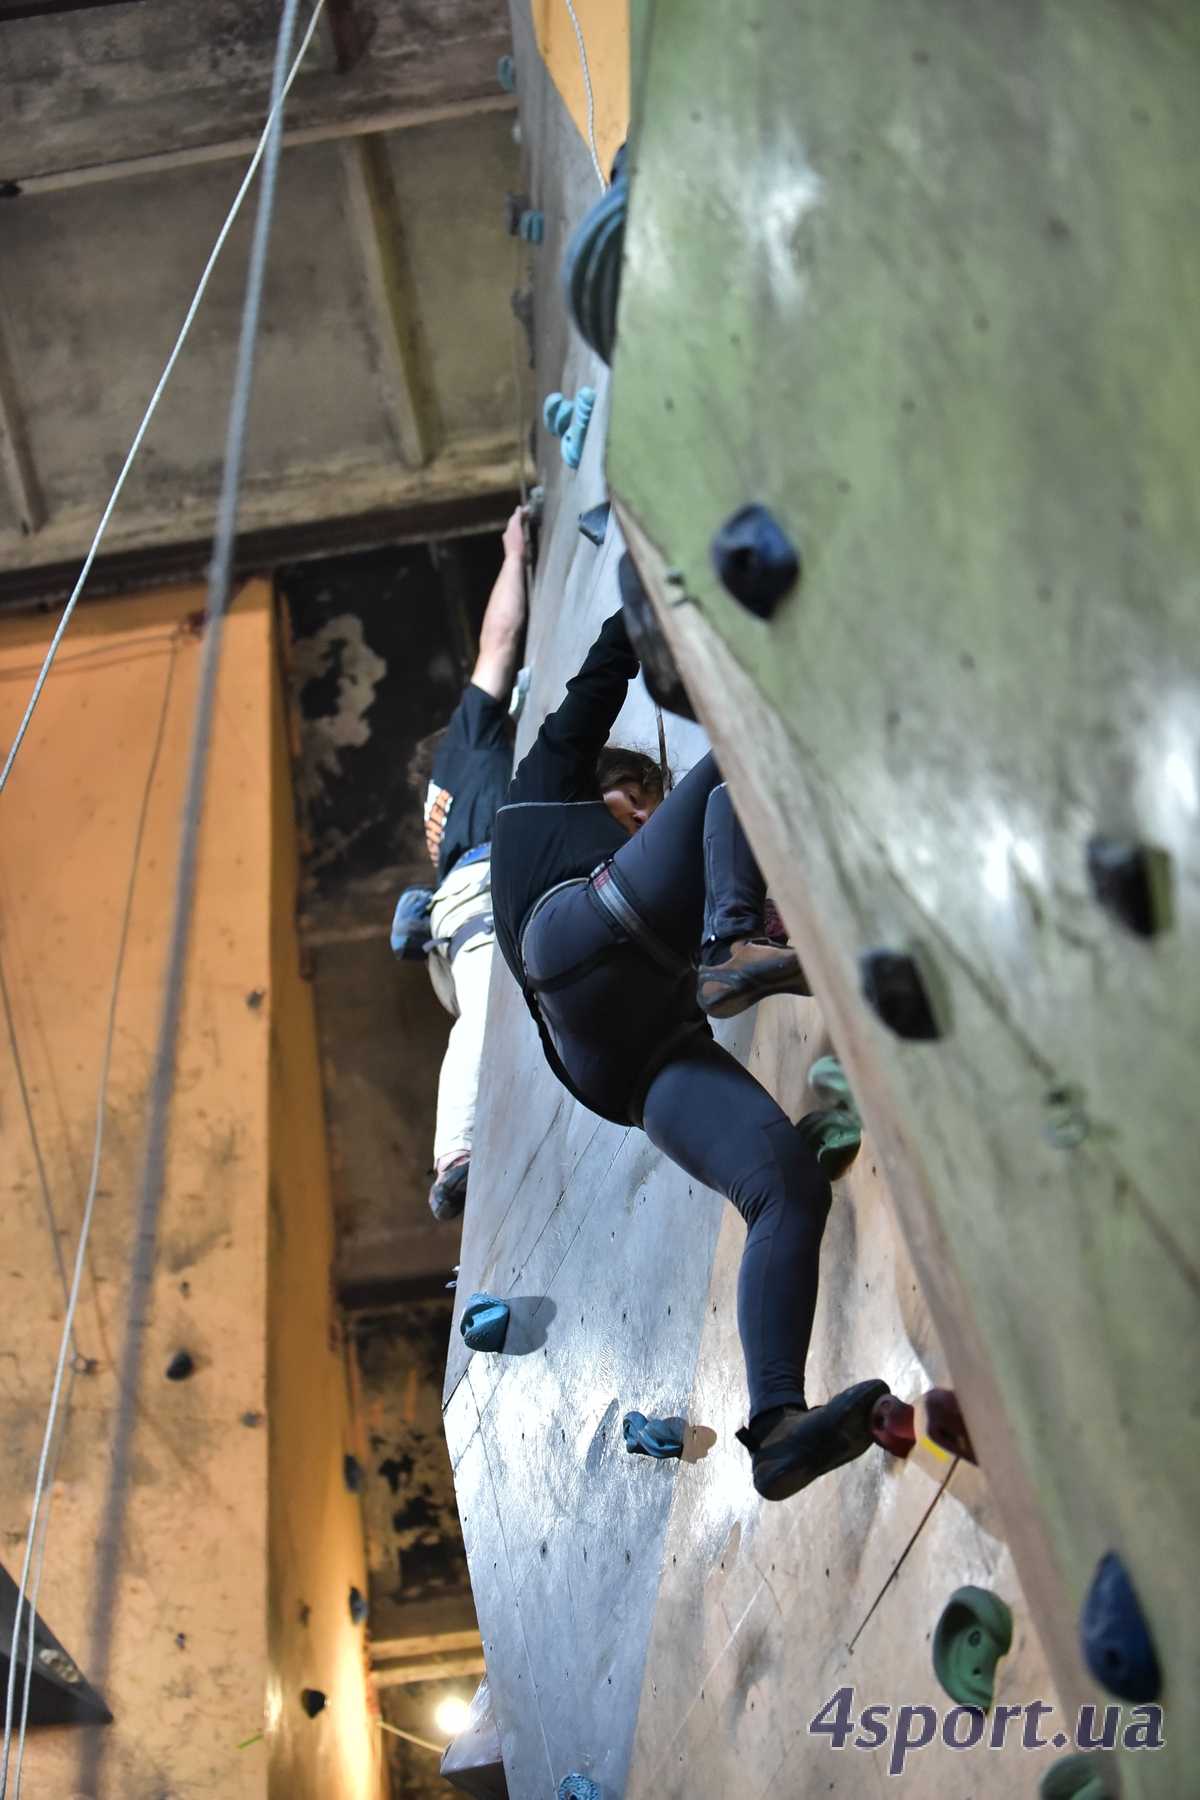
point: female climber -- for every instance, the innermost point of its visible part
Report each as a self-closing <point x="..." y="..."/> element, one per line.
<point x="605" y="895"/>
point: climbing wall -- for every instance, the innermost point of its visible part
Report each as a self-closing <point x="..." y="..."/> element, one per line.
<point x="655" y="1626"/>
<point x="953" y="353"/>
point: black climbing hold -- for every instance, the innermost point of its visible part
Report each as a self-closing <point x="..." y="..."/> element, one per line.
<point x="1116" y="1641"/>
<point x="893" y="988"/>
<point x="358" y="1606"/>
<point x="10" y="190"/>
<point x="755" y="559"/>
<point x="251" y="1420"/>
<point x="313" y="1701"/>
<point x="592" y="269"/>
<point x="352" y="1474"/>
<point x="594" y="522"/>
<point x="1132" y="882"/>
<point x="973" y="1633"/>
<point x="662" y="678"/>
<point x="255" y="998"/>
<point x="181" y="1365"/>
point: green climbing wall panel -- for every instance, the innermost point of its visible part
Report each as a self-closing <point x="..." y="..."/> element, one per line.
<point x="925" y="280"/>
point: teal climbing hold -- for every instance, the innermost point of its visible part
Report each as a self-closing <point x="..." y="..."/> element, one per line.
<point x="578" y="1787"/>
<point x="828" y="1078"/>
<point x="531" y="226"/>
<point x="568" y="420"/>
<point x="973" y="1633"/>
<point x="1079" y="1777"/>
<point x="484" y="1324"/>
<point x="660" y="1438"/>
<point x="834" y="1136"/>
<point x="506" y="74"/>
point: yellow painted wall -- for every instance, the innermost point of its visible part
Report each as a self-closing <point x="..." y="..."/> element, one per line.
<point x="605" y="27"/>
<point x="191" y="1638"/>
<point x="316" y="1530"/>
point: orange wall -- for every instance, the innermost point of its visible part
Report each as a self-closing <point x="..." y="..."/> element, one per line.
<point x="191" y="1638"/>
<point x="605" y="27"/>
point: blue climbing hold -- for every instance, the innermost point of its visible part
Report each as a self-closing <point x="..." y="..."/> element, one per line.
<point x="484" y="1324"/>
<point x="568" y="420"/>
<point x="506" y="74"/>
<point x="578" y="1787"/>
<point x="660" y="1438"/>
<point x="592" y="266"/>
<point x="532" y="226"/>
<point x="755" y="559"/>
<point x="1116" y="1641"/>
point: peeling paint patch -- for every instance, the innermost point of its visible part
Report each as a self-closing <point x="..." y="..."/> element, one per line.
<point x="338" y="674"/>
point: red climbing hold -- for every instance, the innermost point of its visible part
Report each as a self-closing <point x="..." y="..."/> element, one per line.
<point x="945" y="1425"/>
<point x="893" y="1425"/>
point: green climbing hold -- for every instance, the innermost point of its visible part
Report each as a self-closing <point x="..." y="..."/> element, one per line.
<point x="828" y="1078"/>
<point x="973" y="1633"/>
<point x="834" y="1136"/>
<point x="1079" y="1777"/>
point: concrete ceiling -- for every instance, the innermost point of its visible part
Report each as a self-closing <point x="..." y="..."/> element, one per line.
<point x="385" y="398"/>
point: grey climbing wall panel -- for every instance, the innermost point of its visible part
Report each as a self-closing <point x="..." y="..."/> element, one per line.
<point x="953" y="348"/>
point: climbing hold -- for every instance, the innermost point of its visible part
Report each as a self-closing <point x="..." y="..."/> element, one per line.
<point x="506" y="74"/>
<point x="893" y="988"/>
<point x="1116" y="1641"/>
<point x="1079" y="1777"/>
<point x="520" y="692"/>
<point x="1067" y="1124"/>
<point x="755" y="559"/>
<point x="569" y="419"/>
<point x="1132" y="882"/>
<point x="352" y="1474"/>
<point x="313" y="1701"/>
<point x="181" y="1365"/>
<point x="945" y="1425"/>
<point x="660" y="1438"/>
<point x="662" y="678"/>
<point x="531" y="226"/>
<point x="535" y="504"/>
<point x="827" y="1077"/>
<point x="592" y="267"/>
<point x="594" y="522"/>
<point x="484" y="1323"/>
<point x="834" y="1135"/>
<point x="578" y="1787"/>
<point x="358" y="1606"/>
<point x="893" y="1425"/>
<point x="973" y="1633"/>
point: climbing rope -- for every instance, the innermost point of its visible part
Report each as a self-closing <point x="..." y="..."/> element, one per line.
<point x="105" y="1595"/>
<point x="47" y="1459"/>
<point x="587" y="86"/>
<point x="903" y="1556"/>
<point x="172" y="359"/>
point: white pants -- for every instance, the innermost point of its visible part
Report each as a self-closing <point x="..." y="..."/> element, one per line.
<point x="461" y="984"/>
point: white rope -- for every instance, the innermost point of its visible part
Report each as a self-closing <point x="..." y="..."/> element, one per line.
<point x="68" y="1330"/>
<point x="153" y="406"/>
<point x="591" y="101"/>
<point x="105" y="1594"/>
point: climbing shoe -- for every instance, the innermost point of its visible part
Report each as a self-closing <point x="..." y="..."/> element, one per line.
<point x="791" y="1446"/>
<point x="748" y="971"/>
<point x="448" y="1195"/>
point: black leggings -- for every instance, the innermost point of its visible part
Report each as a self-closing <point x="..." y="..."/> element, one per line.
<point x="613" y="1012"/>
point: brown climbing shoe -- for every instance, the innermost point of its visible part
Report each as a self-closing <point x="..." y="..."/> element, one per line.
<point x="753" y="968"/>
<point x="798" y="1446"/>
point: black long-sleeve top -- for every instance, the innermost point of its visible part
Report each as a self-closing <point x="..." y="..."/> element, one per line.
<point x="554" y="824"/>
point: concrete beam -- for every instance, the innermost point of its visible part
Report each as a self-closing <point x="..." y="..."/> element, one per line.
<point x="16" y="456"/>
<point x="376" y="119"/>
<point x="435" y="1643"/>
<point x="80" y="98"/>
<point x="395" y="321"/>
<point x="436" y="1669"/>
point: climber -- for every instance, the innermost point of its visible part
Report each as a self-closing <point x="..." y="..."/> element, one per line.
<point x="605" y="896"/>
<point x="452" y="926"/>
